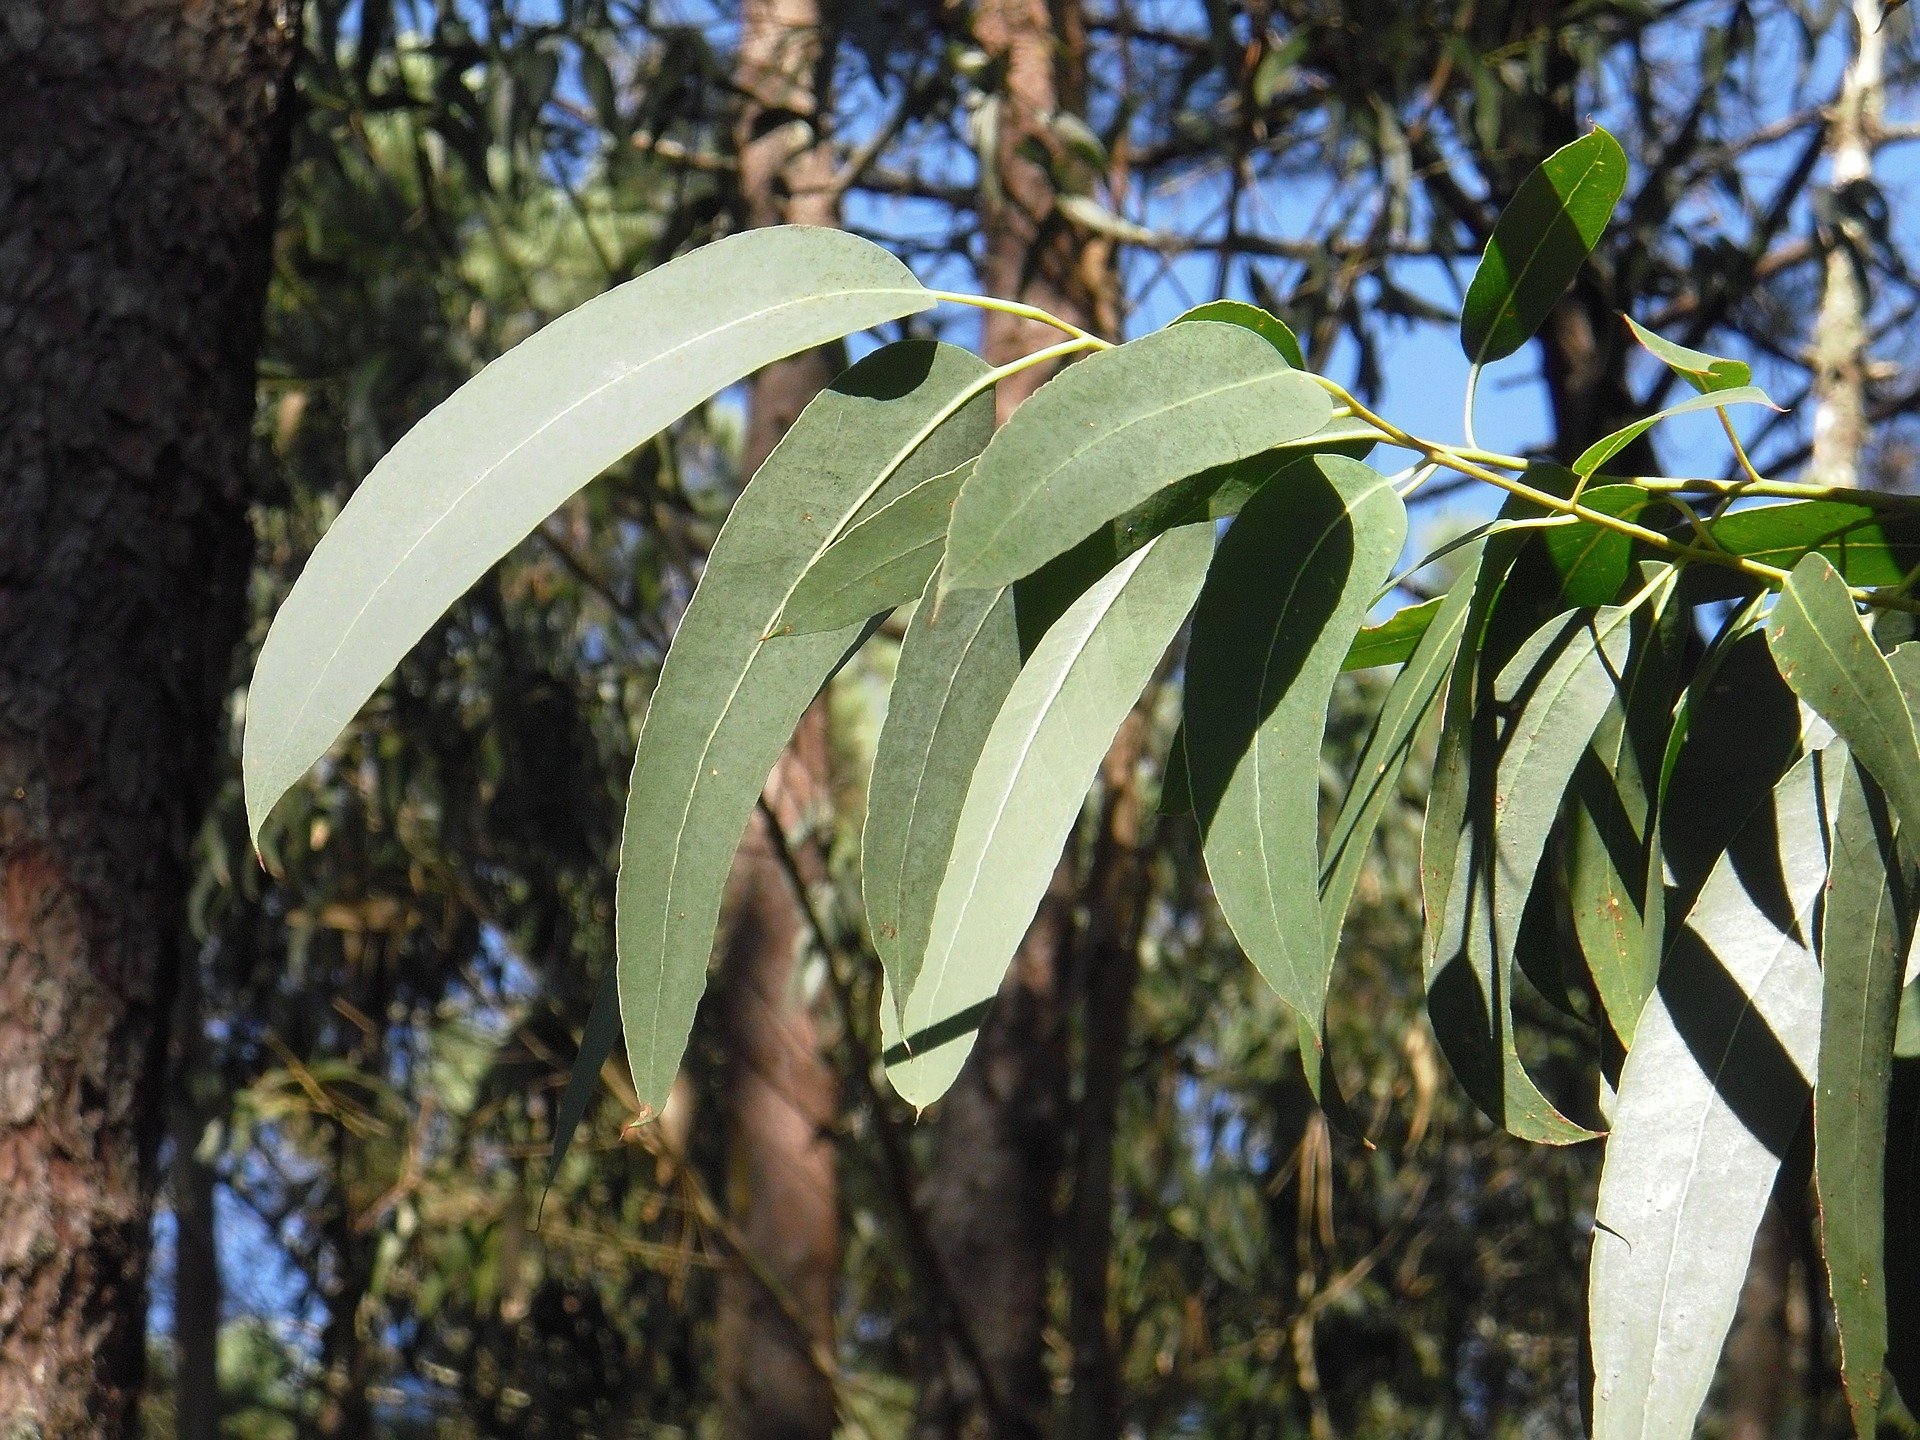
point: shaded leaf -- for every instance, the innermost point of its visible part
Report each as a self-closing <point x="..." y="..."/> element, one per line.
<point x="1865" y="933"/>
<point x="1711" y="1095"/>
<point x="1868" y="546"/>
<point x="474" y="477"/>
<point x="1593" y="562"/>
<point x="1295" y="575"/>
<point x="1541" y="240"/>
<point x="1108" y="432"/>
<point x="956" y="665"/>
<point x="727" y="699"/>
<point x="597" y="1041"/>
<point x="1040" y="757"/>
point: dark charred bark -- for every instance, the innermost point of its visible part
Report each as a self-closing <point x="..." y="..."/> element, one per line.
<point x="776" y="1324"/>
<point x="140" y="148"/>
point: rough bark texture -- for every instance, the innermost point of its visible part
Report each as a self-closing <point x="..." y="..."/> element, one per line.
<point x="990" y="1198"/>
<point x="193" y="1181"/>
<point x="140" y="146"/>
<point x="776" y="1324"/>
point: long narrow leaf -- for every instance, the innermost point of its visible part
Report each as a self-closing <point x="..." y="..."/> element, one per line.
<point x="727" y="699"/>
<point x="1717" y="1083"/>
<point x="1027" y="790"/>
<point x="1105" y="434"/>
<point x="1293" y="579"/>
<point x="467" y="483"/>
<point x="956" y="665"/>
<point x="1605" y="448"/>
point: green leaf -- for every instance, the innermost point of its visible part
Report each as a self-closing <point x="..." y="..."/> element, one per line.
<point x="1176" y="787"/>
<point x="1903" y="1231"/>
<point x="1610" y="821"/>
<point x="1508" y="751"/>
<point x="1865" y="933"/>
<point x="1108" y="432"/>
<point x="1393" y="639"/>
<point x="467" y="483"/>
<point x="1868" y="546"/>
<point x="1702" y="371"/>
<point x="882" y="561"/>
<point x="1295" y="575"/>
<point x="728" y="699"/>
<point x="1542" y="239"/>
<point x="1603" y="450"/>
<point x="1409" y="701"/>
<point x="1026" y="793"/>
<point x="956" y="665"/>
<point x="1251" y="317"/>
<point x="1826" y="654"/>
<point x="1593" y="562"/>
<point x="1716" y="1085"/>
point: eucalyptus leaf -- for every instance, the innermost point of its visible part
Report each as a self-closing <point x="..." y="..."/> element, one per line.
<point x="1394" y="639"/>
<point x="728" y="699"/>
<point x="1702" y="371"/>
<point x="1295" y="575"/>
<point x="956" y="665"/>
<point x="1271" y="328"/>
<point x="1108" y="432"/>
<point x="1541" y="240"/>
<point x="1716" y="1085"/>
<point x="598" y="1040"/>
<point x="1868" y="545"/>
<point x="1604" y="449"/>
<point x="1866" y="930"/>
<point x="1826" y="654"/>
<point x="883" y="560"/>
<point x="473" y="478"/>
<point x="1040" y="757"/>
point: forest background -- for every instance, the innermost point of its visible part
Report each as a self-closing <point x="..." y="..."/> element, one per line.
<point x="1128" y="1218"/>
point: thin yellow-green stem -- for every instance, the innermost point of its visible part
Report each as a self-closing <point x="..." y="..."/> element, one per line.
<point x="1024" y="311"/>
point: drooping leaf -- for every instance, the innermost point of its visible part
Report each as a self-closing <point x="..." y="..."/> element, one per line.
<point x="1394" y="638"/>
<point x="1702" y="371"/>
<point x="1176" y="789"/>
<point x="467" y="483"/>
<point x="1610" y="821"/>
<point x="1865" y="933"/>
<point x="1604" y="449"/>
<point x="1026" y="793"/>
<point x="1508" y="751"/>
<point x="1108" y="432"/>
<point x="1541" y="240"/>
<point x="1826" y="654"/>
<point x="1903" y="1230"/>
<point x="728" y="699"/>
<point x="956" y="665"/>
<point x="882" y="561"/>
<point x="1293" y="579"/>
<point x="1271" y="328"/>
<point x="1711" y="1095"/>
<point x="1409" y="701"/>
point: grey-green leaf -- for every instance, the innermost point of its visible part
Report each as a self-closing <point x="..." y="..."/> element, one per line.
<point x="882" y="561"/>
<point x="1272" y="328"/>
<point x="727" y="699"/>
<point x="1409" y="701"/>
<point x="1605" y="448"/>
<point x="1508" y="752"/>
<point x="1295" y="576"/>
<point x="1027" y="790"/>
<point x="1865" y="932"/>
<point x="956" y="665"/>
<point x="1541" y="240"/>
<point x="1394" y="638"/>
<point x="1108" y="432"/>
<point x="1826" y="654"/>
<point x="1711" y="1094"/>
<point x="489" y="464"/>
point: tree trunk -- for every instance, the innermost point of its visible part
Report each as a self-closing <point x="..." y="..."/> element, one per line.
<point x="140" y="147"/>
<point x="990" y="1198"/>
<point x="776" y="1323"/>
<point x="196" y="1258"/>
